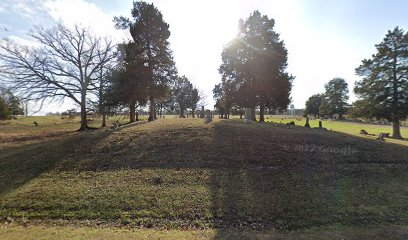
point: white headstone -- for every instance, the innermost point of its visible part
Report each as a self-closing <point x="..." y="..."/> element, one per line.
<point x="208" y="116"/>
<point x="247" y="118"/>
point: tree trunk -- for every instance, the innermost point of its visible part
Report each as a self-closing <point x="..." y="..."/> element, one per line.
<point x="84" y="124"/>
<point x="192" y="112"/>
<point x="182" y="112"/>
<point x="132" y="109"/>
<point x="261" y="113"/>
<point x="154" y="110"/>
<point x="151" y="110"/>
<point x="240" y="114"/>
<point x="396" y="133"/>
<point x="161" y="110"/>
<point x="137" y="116"/>
<point x="101" y="99"/>
<point x="104" y="118"/>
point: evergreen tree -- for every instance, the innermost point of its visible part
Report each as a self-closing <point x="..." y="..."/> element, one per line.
<point x="254" y="64"/>
<point x="15" y="106"/>
<point x="337" y="95"/>
<point x="128" y="80"/>
<point x="313" y="104"/>
<point x="4" y="110"/>
<point x="195" y="98"/>
<point x="150" y="34"/>
<point x="363" y="109"/>
<point x="183" y="94"/>
<point x="384" y="82"/>
<point x="324" y="109"/>
<point x="223" y="99"/>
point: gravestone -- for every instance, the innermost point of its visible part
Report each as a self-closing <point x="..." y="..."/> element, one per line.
<point x="364" y="132"/>
<point x="307" y="125"/>
<point x="247" y="118"/>
<point x="114" y="125"/>
<point x="381" y="137"/>
<point x="208" y="117"/>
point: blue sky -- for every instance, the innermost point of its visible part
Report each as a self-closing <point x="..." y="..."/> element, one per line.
<point x="325" y="39"/>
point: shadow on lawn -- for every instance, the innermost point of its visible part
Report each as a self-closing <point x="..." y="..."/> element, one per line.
<point x="261" y="176"/>
<point x="277" y="180"/>
<point x="261" y="188"/>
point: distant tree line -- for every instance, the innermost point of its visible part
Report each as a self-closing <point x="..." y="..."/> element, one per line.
<point x="332" y="102"/>
<point x="382" y="89"/>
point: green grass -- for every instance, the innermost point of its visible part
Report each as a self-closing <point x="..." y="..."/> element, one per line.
<point x="352" y="128"/>
<point x="184" y="174"/>
<point x="17" y="232"/>
<point x="23" y="131"/>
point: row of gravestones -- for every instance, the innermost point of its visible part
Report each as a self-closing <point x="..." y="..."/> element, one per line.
<point x="247" y="119"/>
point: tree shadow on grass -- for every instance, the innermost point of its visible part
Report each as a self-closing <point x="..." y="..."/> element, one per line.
<point x="277" y="179"/>
<point x="259" y="176"/>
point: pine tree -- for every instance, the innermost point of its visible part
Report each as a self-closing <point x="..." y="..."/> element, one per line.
<point x="4" y="110"/>
<point x="254" y="64"/>
<point x="384" y="81"/>
<point x="150" y="34"/>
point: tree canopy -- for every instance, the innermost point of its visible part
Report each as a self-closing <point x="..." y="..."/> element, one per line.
<point x="150" y="35"/>
<point x="336" y="96"/>
<point x="384" y="82"/>
<point x="253" y="68"/>
<point x="64" y="66"/>
<point x="313" y="104"/>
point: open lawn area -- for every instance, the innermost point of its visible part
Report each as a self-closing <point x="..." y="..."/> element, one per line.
<point x="348" y="127"/>
<point x="183" y="179"/>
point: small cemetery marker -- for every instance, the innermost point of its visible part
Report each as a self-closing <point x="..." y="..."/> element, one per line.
<point x="247" y="118"/>
<point x="208" y="117"/>
<point x="381" y="137"/>
<point x="364" y="132"/>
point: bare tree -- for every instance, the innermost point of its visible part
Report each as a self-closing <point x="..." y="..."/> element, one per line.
<point x="202" y="102"/>
<point x="64" y="65"/>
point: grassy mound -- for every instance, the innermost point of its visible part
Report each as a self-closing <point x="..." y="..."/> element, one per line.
<point x="182" y="173"/>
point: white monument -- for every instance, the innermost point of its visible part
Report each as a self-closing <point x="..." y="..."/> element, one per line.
<point x="247" y="118"/>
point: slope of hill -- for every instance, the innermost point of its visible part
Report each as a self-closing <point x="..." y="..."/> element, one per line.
<point x="182" y="173"/>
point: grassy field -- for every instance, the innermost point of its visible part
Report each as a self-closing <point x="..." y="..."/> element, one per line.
<point x="18" y="232"/>
<point x="348" y="127"/>
<point x="23" y="131"/>
<point x="220" y="180"/>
